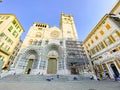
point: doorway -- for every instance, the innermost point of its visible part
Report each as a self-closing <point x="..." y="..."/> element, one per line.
<point x="74" y="70"/>
<point x="29" y="66"/>
<point x="115" y="70"/>
<point x="52" y="66"/>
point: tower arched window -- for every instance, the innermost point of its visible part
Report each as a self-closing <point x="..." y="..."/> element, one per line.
<point x="35" y="42"/>
<point x="30" y="41"/>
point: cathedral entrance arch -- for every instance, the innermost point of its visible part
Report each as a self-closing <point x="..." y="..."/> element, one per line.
<point x="52" y="62"/>
<point x="29" y="66"/>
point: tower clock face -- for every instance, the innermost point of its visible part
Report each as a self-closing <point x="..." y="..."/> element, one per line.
<point x="54" y="34"/>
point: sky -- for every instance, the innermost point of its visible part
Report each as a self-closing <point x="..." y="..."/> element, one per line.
<point x="86" y="13"/>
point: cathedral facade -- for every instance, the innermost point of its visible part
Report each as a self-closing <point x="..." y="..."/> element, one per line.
<point x="44" y="49"/>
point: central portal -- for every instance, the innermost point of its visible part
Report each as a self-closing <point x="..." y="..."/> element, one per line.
<point x="52" y="66"/>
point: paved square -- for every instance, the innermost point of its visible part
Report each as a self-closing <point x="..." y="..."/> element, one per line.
<point x="56" y="85"/>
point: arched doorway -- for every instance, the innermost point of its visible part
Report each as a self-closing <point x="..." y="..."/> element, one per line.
<point x="114" y="70"/>
<point x="52" y="62"/>
<point x="52" y="66"/>
<point x="31" y="59"/>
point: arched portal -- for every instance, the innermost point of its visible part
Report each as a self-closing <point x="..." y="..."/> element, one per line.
<point x="52" y="62"/>
<point x="31" y="59"/>
<point x="114" y="70"/>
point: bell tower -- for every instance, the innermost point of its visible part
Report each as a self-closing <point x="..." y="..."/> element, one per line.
<point x="68" y="28"/>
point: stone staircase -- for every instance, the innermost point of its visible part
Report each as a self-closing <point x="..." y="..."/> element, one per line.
<point x="37" y="78"/>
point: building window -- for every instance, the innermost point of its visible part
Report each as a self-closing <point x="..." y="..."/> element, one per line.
<point x="10" y="28"/>
<point x="104" y="67"/>
<point x="46" y="42"/>
<point x="7" y="17"/>
<point x="116" y="37"/>
<point x="2" y="17"/>
<point x="101" y="45"/>
<point x="40" y="42"/>
<point x="108" y="26"/>
<point x="14" y="22"/>
<point x="88" y="44"/>
<point x="35" y="42"/>
<point x="102" y="32"/>
<point x="7" y="48"/>
<point x="112" y="38"/>
<point x="96" y="37"/>
<point x="10" y="41"/>
<point x="61" y="42"/>
<point x="1" y="22"/>
<point x="68" y="32"/>
<point x="96" y="49"/>
<point x="38" y="34"/>
<point x="118" y="33"/>
<point x="2" y="58"/>
<point x="2" y="35"/>
<point x="18" y="28"/>
<point x="92" y="41"/>
<point x="15" y="34"/>
<point x="108" y="41"/>
<point x="93" y="51"/>
<point x="1" y="44"/>
<point x="39" y="28"/>
<point x="30" y="42"/>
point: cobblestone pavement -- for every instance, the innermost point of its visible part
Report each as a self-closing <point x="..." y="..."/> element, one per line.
<point x="68" y="85"/>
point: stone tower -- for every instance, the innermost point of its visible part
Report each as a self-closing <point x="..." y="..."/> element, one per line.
<point x="67" y="26"/>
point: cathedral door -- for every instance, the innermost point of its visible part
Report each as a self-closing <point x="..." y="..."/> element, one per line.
<point x="29" y="66"/>
<point x="52" y="66"/>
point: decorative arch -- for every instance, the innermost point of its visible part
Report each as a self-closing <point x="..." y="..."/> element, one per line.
<point x="54" y="47"/>
<point x="53" y="56"/>
<point x="28" y="59"/>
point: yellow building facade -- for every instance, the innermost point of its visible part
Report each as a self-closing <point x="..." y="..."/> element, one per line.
<point x="10" y="32"/>
<point x="103" y="45"/>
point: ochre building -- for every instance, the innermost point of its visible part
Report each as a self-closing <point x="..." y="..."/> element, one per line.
<point x="103" y="45"/>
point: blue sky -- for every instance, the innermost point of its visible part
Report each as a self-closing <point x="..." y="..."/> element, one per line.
<point x="86" y="13"/>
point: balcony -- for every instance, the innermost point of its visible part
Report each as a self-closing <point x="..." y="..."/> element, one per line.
<point x="109" y="57"/>
<point x="106" y="49"/>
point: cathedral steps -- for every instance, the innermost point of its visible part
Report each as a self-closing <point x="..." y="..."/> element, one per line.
<point x="37" y="78"/>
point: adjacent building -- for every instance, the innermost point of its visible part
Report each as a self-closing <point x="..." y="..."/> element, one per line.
<point x="102" y="45"/>
<point x="10" y="32"/>
<point x="51" y="50"/>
